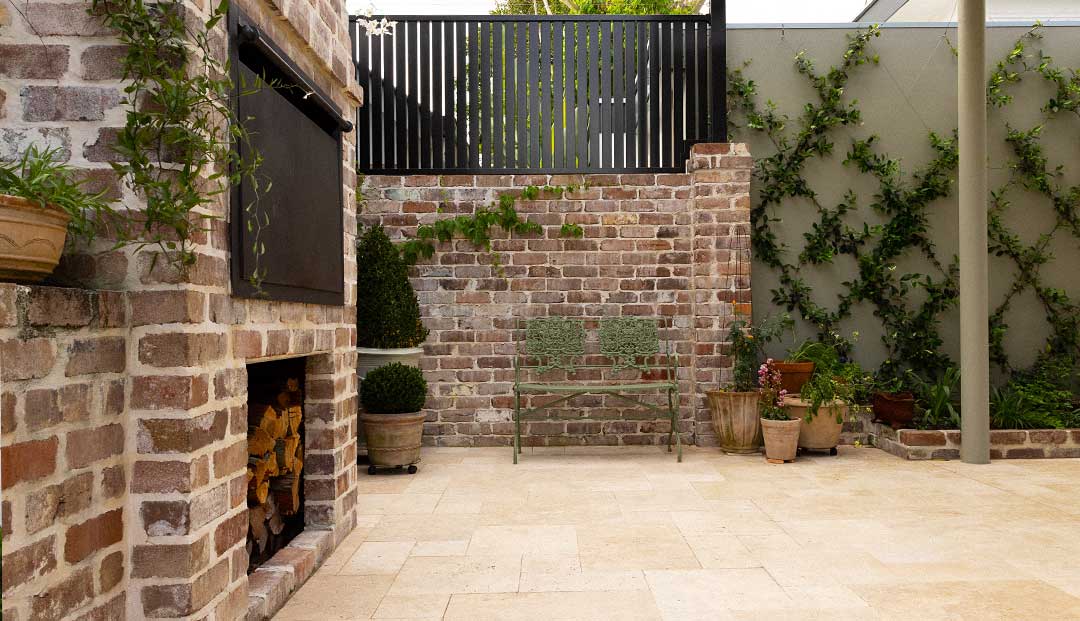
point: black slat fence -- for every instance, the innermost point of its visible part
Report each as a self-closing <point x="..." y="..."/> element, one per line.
<point x="560" y="94"/>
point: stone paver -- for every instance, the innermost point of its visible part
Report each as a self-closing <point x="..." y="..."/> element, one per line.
<point x="627" y="533"/>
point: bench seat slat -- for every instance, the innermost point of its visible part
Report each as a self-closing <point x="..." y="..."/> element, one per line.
<point x="598" y="388"/>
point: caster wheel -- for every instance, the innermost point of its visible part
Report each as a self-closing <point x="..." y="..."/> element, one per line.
<point x="832" y="451"/>
<point x="371" y="469"/>
<point x="412" y="469"/>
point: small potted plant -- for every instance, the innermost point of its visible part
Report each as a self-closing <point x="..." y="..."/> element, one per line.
<point x="393" y="397"/>
<point x="734" y="408"/>
<point x="803" y="361"/>
<point x="780" y="431"/>
<point x="41" y="201"/>
<point x="822" y="405"/>
<point x="388" y="327"/>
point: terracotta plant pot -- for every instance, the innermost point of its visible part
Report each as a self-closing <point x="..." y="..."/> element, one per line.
<point x="31" y="239"/>
<point x="781" y="438"/>
<point x="793" y="375"/>
<point x="896" y="409"/>
<point x="821" y="432"/>
<point x="370" y="358"/>
<point x="393" y="439"/>
<point x="736" y="421"/>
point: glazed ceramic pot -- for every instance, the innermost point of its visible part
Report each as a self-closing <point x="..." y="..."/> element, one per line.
<point x="736" y="421"/>
<point x="31" y="239"/>
<point x="781" y="438"/>
<point x="370" y="358"/>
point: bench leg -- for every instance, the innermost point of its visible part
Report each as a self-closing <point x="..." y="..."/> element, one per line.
<point x="517" y="425"/>
<point x="673" y="408"/>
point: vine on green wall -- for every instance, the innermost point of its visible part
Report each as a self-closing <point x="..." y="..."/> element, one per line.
<point x="911" y="331"/>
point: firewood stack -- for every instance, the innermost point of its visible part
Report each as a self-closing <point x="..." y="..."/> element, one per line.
<point x="275" y="460"/>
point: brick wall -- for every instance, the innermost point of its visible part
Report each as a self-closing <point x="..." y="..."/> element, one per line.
<point x="123" y="398"/>
<point x="655" y="245"/>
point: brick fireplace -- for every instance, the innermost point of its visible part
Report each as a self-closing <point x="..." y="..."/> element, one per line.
<point x="124" y="394"/>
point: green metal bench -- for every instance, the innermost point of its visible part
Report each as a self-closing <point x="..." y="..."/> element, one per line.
<point x="557" y="345"/>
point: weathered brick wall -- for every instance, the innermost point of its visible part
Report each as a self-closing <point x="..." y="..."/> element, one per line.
<point x="161" y="458"/>
<point x="655" y="245"/>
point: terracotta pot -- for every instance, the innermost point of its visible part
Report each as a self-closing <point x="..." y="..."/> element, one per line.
<point x="896" y="409"/>
<point x="31" y="239"/>
<point x="793" y="375"/>
<point x="369" y="358"/>
<point x="821" y="432"/>
<point x="393" y="439"/>
<point x="781" y="438"/>
<point x="736" y="421"/>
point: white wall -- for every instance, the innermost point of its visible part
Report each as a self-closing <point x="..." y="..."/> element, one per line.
<point x="997" y="10"/>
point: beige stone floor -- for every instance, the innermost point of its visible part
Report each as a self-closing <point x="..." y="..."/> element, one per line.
<point x="622" y="533"/>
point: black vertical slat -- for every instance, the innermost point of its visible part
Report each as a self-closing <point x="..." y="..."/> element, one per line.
<point x="413" y="93"/>
<point x="594" y="95"/>
<point x="510" y="145"/>
<point x="373" y="102"/>
<point x="570" y="89"/>
<point x="522" y="157"/>
<point x="604" y="66"/>
<point x="558" y="117"/>
<point x="618" y="93"/>
<point x="449" y="90"/>
<point x="665" y="94"/>
<point x="360" y="42"/>
<point x="642" y="119"/>
<point x="654" y="95"/>
<point x="438" y="138"/>
<point x="718" y="71"/>
<point x="461" y="85"/>
<point x="693" y="104"/>
<point x="678" y="84"/>
<point x="543" y="66"/>
<point x="498" y="141"/>
<point x="582" y="108"/>
<point x="485" y="94"/>
<point x="630" y="70"/>
<point x="388" y="130"/>
<point x="474" y="95"/>
<point x="424" y="93"/>
<point x="400" y="124"/>
<point x="534" y="94"/>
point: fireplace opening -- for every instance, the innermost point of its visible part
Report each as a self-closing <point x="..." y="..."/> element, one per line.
<point x="275" y="457"/>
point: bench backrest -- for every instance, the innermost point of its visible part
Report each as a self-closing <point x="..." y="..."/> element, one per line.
<point x="559" y="342"/>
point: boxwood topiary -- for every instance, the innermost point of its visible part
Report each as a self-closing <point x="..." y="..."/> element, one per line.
<point x="393" y="389"/>
<point x="387" y="312"/>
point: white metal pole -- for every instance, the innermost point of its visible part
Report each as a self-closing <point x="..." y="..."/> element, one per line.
<point x="974" y="272"/>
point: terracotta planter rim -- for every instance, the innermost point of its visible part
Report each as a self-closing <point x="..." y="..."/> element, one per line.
<point x="805" y="366"/>
<point x="905" y="395"/>
<point x="799" y="402"/>
<point x="731" y="392"/>
<point x="25" y="204"/>
<point x="390" y="351"/>
<point x="391" y="414"/>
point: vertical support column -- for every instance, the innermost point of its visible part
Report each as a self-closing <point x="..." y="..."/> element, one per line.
<point x="718" y="70"/>
<point x="720" y="218"/>
<point x="974" y="301"/>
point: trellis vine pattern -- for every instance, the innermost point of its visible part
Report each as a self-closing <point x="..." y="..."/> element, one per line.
<point x="911" y="330"/>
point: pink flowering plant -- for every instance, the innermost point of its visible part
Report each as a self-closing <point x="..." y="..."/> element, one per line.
<point x="772" y="395"/>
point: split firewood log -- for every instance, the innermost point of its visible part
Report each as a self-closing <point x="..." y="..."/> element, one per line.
<point x="285" y="449"/>
<point x="257" y="521"/>
<point x="257" y="464"/>
<point x="267" y="418"/>
<point x="286" y="493"/>
<point x="259" y="493"/>
<point x="259" y="441"/>
<point x="273" y="469"/>
<point x="274" y="521"/>
<point x="296" y="415"/>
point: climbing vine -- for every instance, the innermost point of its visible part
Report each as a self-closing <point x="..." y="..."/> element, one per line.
<point x="476" y="227"/>
<point x="911" y="329"/>
<point x="176" y="149"/>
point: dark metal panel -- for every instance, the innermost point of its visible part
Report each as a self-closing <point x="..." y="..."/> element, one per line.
<point x="655" y="90"/>
<point x="423" y="95"/>
<point x="678" y="83"/>
<point x="510" y="100"/>
<point x="498" y="140"/>
<point x="372" y="110"/>
<point x="693" y="103"/>
<point x="522" y="158"/>
<point x="641" y="114"/>
<point x="604" y="67"/>
<point x="594" y="94"/>
<point x="582" y="108"/>
<point x="401" y="131"/>
<point x="473" y="64"/>
<point x="558" y="98"/>
<point x="485" y="85"/>
<point x="569" y="105"/>
<point x="363" y="77"/>
<point x="718" y="71"/>
<point x="534" y="95"/>
<point x="461" y="85"/>
<point x="543" y="66"/>
<point x="664" y="131"/>
<point x="412" y="94"/>
<point x="438" y="138"/>
<point x="618" y="75"/>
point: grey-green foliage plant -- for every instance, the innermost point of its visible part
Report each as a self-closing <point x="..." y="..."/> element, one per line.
<point x="40" y="177"/>
<point x="748" y="347"/>
<point x="825" y="390"/>
<point x="387" y="311"/>
<point x="393" y="389"/>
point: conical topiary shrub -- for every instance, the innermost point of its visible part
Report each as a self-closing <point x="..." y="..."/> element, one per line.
<point x="387" y="311"/>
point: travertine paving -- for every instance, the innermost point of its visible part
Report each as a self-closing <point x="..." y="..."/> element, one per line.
<point x="624" y="533"/>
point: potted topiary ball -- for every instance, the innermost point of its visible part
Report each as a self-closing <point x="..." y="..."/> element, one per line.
<point x="392" y="397"/>
<point x="41" y="201"/>
<point x="388" y="327"/>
